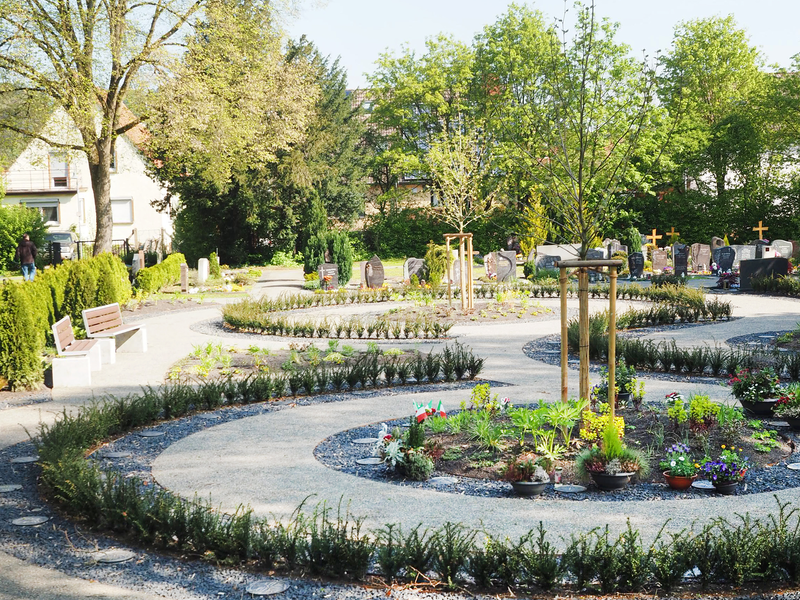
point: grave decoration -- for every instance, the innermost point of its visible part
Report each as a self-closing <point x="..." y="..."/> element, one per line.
<point x="701" y="257"/>
<point x="372" y="274"/>
<point x="636" y="265"/>
<point x="672" y="235"/>
<point x="328" y="276"/>
<point x="654" y="237"/>
<point x="422" y="412"/>
<point x="414" y="266"/>
<point x="680" y="259"/>
<point x="760" y="230"/>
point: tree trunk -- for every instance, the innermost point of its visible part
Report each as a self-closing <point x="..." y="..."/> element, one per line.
<point x="100" y="170"/>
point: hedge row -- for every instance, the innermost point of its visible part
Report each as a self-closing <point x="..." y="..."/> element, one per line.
<point x="28" y="309"/>
<point x="723" y="551"/>
<point x="785" y="286"/>
<point x="151" y="279"/>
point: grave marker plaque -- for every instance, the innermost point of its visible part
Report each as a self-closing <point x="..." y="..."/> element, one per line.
<point x="372" y="274"/>
<point x="724" y="257"/>
<point x="659" y="260"/>
<point x="636" y="264"/>
<point x="506" y="265"/>
<point x="701" y="257"/>
<point x="680" y="259"/>
<point x="414" y="266"/>
<point x="328" y="270"/>
<point x="547" y="262"/>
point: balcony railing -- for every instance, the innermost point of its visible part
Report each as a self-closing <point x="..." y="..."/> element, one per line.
<point x="41" y="180"/>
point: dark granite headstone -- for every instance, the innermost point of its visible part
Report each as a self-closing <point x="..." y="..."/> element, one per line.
<point x="372" y="275"/>
<point x="547" y="262"/>
<point x="659" y="260"/>
<point x="636" y="264"/>
<point x="761" y="267"/>
<point x="506" y="265"/>
<point x="680" y="259"/>
<point x="759" y="245"/>
<point x="328" y="270"/>
<point x="595" y="254"/>
<point x="701" y="257"/>
<point x="414" y="266"/>
<point x="724" y="258"/>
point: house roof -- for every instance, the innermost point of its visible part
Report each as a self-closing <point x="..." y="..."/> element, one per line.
<point x="31" y="112"/>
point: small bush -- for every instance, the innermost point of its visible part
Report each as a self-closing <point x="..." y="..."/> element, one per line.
<point x="151" y="279"/>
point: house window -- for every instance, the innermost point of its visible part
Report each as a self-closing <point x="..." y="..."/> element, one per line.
<point x="48" y="209"/>
<point x="122" y="211"/>
<point x="59" y="170"/>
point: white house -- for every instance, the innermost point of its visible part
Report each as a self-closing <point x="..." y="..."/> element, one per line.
<point x="57" y="183"/>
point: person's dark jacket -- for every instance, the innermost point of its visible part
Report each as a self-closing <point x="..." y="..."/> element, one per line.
<point x="26" y="252"/>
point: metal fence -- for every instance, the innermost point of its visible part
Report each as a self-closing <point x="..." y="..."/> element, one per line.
<point x="118" y="248"/>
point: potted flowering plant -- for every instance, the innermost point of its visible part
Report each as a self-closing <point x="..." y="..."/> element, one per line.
<point x="788" y="406"/>
<point x="757" y="391"/>
<point x="727" y="471"/>
<point x="610" y="464"/>
<point x="624" y="384"/>
<point x="680" y="468"/>
<point x="526" y="475"/>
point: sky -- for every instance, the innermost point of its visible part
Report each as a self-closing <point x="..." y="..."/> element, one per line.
<point x="359" y="31"/>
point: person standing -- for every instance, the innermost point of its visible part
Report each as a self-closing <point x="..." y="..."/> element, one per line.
<point x="26" y="253"/>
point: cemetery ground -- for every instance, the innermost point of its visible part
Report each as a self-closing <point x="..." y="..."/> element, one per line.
<point x="263" y="456"/>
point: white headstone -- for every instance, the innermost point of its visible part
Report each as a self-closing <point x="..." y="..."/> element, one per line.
<point x="136" y="265"/>
<point x="202" y="270"/>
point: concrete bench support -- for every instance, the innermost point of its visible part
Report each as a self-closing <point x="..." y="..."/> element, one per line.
<point x="72" y="371"/>
<point x="132" y="341"/>
<point x="108" y="350"/>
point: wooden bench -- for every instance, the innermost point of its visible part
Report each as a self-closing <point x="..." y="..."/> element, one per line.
<point x="106" y="322"/>
<point x="76" y="358"/>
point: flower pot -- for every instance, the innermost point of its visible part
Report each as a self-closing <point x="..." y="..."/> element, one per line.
<point x="763" y="409"/>
<point x="725" y="487"/>
<point x="610" y="483"/>
<point x="623" y="398"/>
<point x="794" y="422"/>
<point x="678" y="482"/>
<point x="529" y="488"/>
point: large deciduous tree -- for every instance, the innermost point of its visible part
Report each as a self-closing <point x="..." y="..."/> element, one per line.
<point x="86" y="55"/>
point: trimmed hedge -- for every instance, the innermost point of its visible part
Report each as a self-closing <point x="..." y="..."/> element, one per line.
<point x="151" y="279"/>
<point x="30" y="308"/>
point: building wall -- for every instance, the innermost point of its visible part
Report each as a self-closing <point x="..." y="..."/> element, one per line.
<point x="29" y="180"/>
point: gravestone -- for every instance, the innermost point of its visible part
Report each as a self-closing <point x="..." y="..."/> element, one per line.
<point x="717" y="243"/>
<point x="659" y="260"/>
<point x="636" y="264"/>
<point x="783" y="248"/>
<point x="328" y="270"/>
<point x="456" y="271"/>
<point x="490" y="264"/>
<point x="506" y="265"/>
<point x="614" y="246"/>
<point x="680" y="259"/>
<point x="414" y="266"/>
<point x="701" y="257"/>
<point x="512" y="244"/>
<point x="137" y="264"/>
<point x="724" y="257"/>
<point x="184" y="277"/>
<point x="547" y="262"/>
<point x="372" y="274"/>
<point x="202" y="270"/>
<point x="743" y="253"/>
<point x="595" y="254"/>
<point x="758" y="245"/>
<point x="761" y="267"/>
<point x="565" y="251"/>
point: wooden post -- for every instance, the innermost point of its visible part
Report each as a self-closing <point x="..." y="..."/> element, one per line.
<point x="564" y="327"/>
<point x="449" y="279"/>
<point x="583" y="324"/>
<point x="612" y="338"/>
<point x="462" y="275"/>
<point x="470" y="282"/>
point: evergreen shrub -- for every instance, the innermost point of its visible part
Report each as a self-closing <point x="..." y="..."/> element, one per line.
<point x="151" y="279"/>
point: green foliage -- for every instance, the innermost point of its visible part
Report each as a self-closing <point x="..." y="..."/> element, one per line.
<point x="337" y="245"/>
<point x="213" y="265"/>
<point x="21" y="344"/>
<point x="436" y="263"/>
<point x="81" y="290"/>
<point x="151" y="279"/>
<point x="14" y="221"/>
